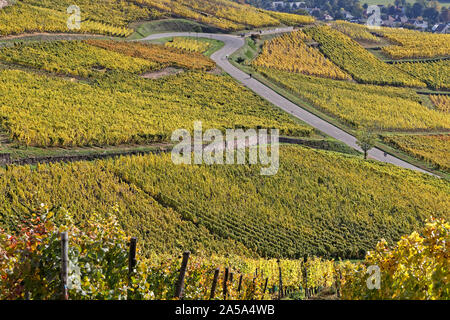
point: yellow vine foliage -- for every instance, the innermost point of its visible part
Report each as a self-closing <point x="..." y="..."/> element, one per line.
<point x="35" y="108"/>
<point x="417" y="268"/>
<point x="24" y="18"/>
<point x="223" y="14"/>
<point x="434" y="149"/>
<point x="441" y="102"/>
<point x="363" y="106"/>
<point x="415" y="44"/>
<point x="169" y="207"/>
<point x="165" y="56"/>
<point x="188" y="44"/>
<point x="354" y="31"/>
<point x="435" y="74"/>
<point x="358" y="62"/>
<point x="291" y="19"/>
<point x="290" y="53"/>
<point x="75" y="58"/>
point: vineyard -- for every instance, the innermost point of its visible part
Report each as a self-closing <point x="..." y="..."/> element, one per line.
<point x="363" y="106"/>
<point x="23" y="18"/>
<point x="188" y="44"/>
<point x="415" y="44"/>
<point x="290" y="53"/>
<point x="73" y="58"/>
<point x="98" y="247"/>
<point x="442" y="103"/>
<point x="291" y="19"/>
<point x="359" y="63"/>
<point x="320" y="207"/>
<point x="112" y="17"/>
<point x="435" y="74"/>
<point x="39" y="117"/>
<point x="162" y="55"/>
<point x="355" y="31"/>
<point x="433" y="149"/>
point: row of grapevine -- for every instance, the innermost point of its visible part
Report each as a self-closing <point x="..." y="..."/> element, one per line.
<point x="433" y="149"/>
<point x="415" y="44"/>
<point x="417" y="268"/>
<point x="188" y="44"/>
<point x="363" y="106"/>
<point x="99" y="267"/>
<point x="441" y="102"/>
<point x="358" y="62"/>
<point x="35" y="108"/>
<point x="435" y="74"/>
<point x="75" y="58"/>
<point x="291" y="19"/>
<point x="355" y="31"/>
<point x="115" y="274"/>
<point x="23" y="18"/>
<point x="112" y="12"/>
<point x="165" y="56"/>
<point x="290" y="53"/>
<point x="321" y="207"/>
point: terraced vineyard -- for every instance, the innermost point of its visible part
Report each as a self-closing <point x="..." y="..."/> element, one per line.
<point x="435" y="74"/>
<point x="363" y="106"/>
<point x="359" y="63"/>
<point x="441" y="102"/>
<point x="320" y="203"/>
<point x="188" y="44"/>
<point x="290" y="53"/>
<point x="415" y="44"/>
<point x="433" y="149"/>
<point x="74" y="58"/>
<point x="355" y="31"/>
<point x="112" y="17"/>
<point x="149" y="114"/>
<point x="24" y="18"/>
<point x="159" y="54"/>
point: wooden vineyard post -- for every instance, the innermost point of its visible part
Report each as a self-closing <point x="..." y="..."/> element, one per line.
<point x="340" y="283"/>
<point x="180" y="282"/>
<point x="214" y="284"/>
<point x="132" y="256"/>
<point x="265" y="288"/>
<point x="64" y="265"/>
<point x="131" y="262"/>
<point x="240" y="284"/>
<point x="225" y="283"/>
<point x="280" y="289"/>
<point x="305" y="259"/>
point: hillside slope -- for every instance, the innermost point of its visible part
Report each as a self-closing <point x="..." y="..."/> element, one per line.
<point x="112" y="17"/>
<point x="319" y="203"/>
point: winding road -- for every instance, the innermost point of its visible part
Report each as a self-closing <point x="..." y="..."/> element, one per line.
<point x="234" y="43"/>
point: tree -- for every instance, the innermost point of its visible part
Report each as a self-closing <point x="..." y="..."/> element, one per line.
<point x="417" y="10"/>
<point x="431" y="14"/>
<point x="366" y="141"/>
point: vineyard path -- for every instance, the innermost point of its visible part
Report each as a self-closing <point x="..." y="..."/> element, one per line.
<point x="234" y="43"/>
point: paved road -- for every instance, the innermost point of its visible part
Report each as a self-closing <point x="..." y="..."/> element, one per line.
<point x="232" y="44"/>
